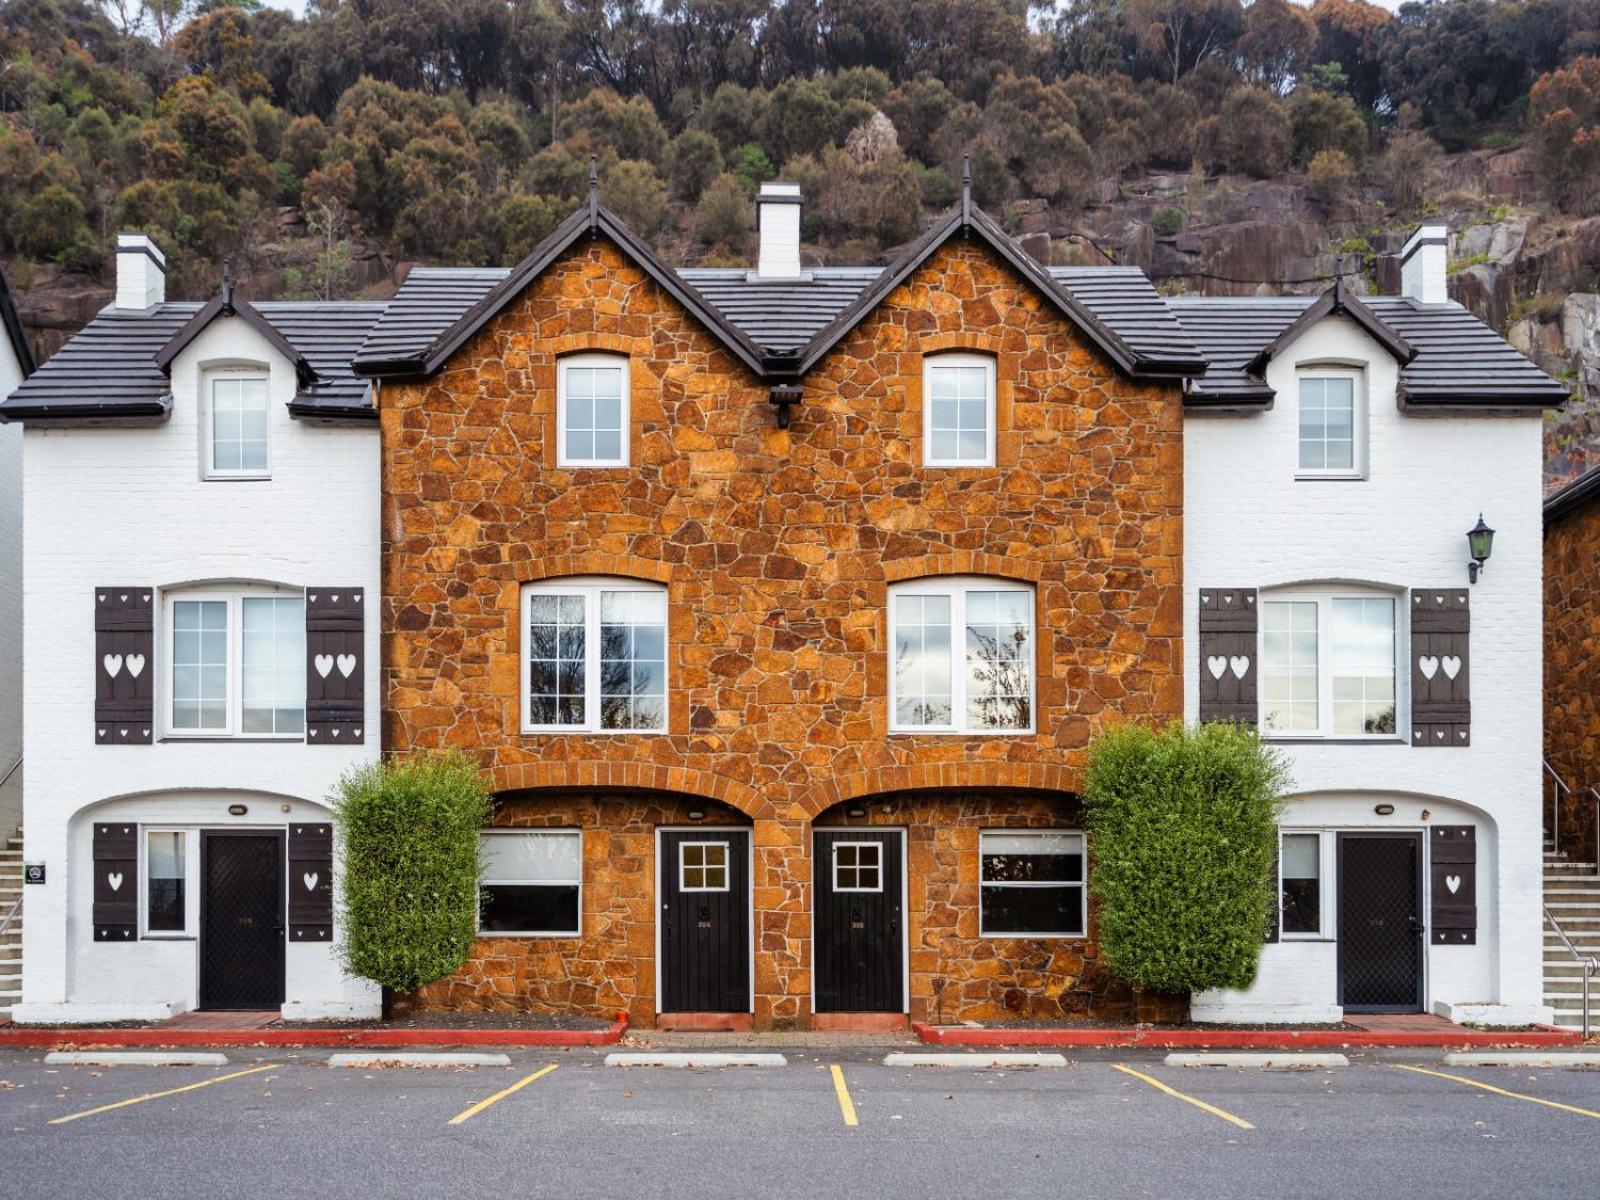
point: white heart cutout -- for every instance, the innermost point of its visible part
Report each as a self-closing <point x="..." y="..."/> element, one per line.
<point x="1453" y="882"/>
<point x="1428" y="665"/>
<point x="112" y="664"/>
<point x="310" y="880"/>
<point x="347" y="664"/>
<point x="115" y="881"/>
<point x="1240" y="663"/>
<point x="323" y="663"/>
<point x="335" y="733"/>
<point x="1451" y="665"/>
<point x="135" y="665"/>
<point x="1217" y="664"/>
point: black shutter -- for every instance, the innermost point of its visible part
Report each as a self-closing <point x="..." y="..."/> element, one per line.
<point x="1454" y="858"/>
<point x="116" y="882"/>
<point x="1441" y="706"/>
<point x="335" y="666"/>
<point x="1228" y="655"/>
<point x="310" y="883"/>
<point x="124" y="665"/>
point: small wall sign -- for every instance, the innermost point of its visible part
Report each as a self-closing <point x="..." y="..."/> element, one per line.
<point x="237" y="810"/>
<point x="33" y="873"/>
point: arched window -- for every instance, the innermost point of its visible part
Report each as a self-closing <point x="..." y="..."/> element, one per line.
<point x="1328" y="658"/>
<point x="592" y="410"/>
<point x="961" y="656"/>
<point x="594" y="656"/>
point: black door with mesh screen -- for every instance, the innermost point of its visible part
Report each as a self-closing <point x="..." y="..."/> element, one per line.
<point x="705" y="920"/>
<point x="241" y="921"/>
<point x="859" y="942"/>
<point x="1380" y="922"/>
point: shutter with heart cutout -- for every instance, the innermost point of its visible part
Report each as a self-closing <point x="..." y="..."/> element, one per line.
<point x="116" y="881"/>
<point x="310" y="883"/>
<point x="124" y="665"/>
<point x="1228" y="655"/>
<point x="1441" y="706"/>
<point x="1453" y="853"/>
<point x="335" y="666"/>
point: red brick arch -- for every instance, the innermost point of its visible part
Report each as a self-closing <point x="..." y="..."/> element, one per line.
<point x="1040" y="777"/>
<point x="601" y="775"/>
<point x="964" y="562"/>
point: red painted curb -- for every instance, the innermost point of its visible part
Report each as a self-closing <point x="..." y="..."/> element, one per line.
<point x="1288" y="1039"/>
<point x="21" y="1036"/>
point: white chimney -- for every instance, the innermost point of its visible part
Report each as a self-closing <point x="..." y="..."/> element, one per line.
<point x="778" y="217"/>
<point x="141" y="272"/>
<point x="1423" y="265"/>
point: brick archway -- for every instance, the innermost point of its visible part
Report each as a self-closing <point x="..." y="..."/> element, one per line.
<point x="1038" y="777"/>
<point x="626" y="776"/>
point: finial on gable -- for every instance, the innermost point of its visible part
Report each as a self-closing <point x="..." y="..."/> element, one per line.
<point x="227" y="285"/>
<point x="594" y="193"/>
<point x="966" y="189"/>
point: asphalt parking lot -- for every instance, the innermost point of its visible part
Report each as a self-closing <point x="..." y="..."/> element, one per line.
<point x="564" y="1124"/>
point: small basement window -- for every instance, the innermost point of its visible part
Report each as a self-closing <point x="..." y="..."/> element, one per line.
<point x="1300" y="884"/>
<point x="1032" y="884"/>
<point x="166" y="886"/>
<point x="532" y="882"/>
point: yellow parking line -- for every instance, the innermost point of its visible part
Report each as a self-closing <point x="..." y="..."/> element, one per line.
<point x="1489" y="1087"/>
<point x="847" y="1106"/>
<point x="159" y="1095"/>
<point x="1173" y="1092"/>
<point x="499" y="1096"/>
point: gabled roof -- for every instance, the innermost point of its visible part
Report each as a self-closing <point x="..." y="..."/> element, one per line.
<point x="1458" y="362"/>
<point x="226" y="304"/>
<point x="1574" y="495"/>
<point x="13" y="330"/>
<point x="1335" y="301"/>
<point x="593" y="220"/>
<point x="108" y="371"/>
<point x="1159" y="360"/>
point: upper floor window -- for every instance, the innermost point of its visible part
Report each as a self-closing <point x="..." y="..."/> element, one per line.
<point x="1330" y="424"/>
<point x="594" y="657"/>
<point x="1328" y="664"/>
<point x="236" y="408"/>
<point x="961" y="657"/>
<point x="592" y="411"/>
<point x="958" y="411"/>
<point x="236" y="663"/>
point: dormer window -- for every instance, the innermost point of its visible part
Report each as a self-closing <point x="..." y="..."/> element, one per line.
<point x="592" y="411"/>
<point x="1331" y="433"/>
<point x="958" y="411"/>
<point x="236" y="416"/>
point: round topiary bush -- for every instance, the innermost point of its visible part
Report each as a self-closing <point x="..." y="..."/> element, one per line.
<point x="408" y="829"/>
<point x="1183" y="827"/>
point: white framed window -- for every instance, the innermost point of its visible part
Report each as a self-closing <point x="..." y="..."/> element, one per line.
<point x="168" y="904"/>
<point x="1328" y="664"/>
<point x="858" y="866"/>
<point x="961" y="657"/>
<point x="1031" y="883"/>
<point x="236" y="420"/>
<point x="702" y="866"/>
<point x="594" y="657"/>
<point x="592" y="410"/>
<point x="1331" y="424"/>
<point x="958" y="410"/>
<point x="1300" y="875"/>
<point x="532" y="882"/>
<point x="235" y="663"/>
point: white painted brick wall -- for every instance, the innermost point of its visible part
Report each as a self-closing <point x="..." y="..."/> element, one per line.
<point x="1249" y="522"/>
<point x="10" y="592"/>
<point x="130" y="506"/>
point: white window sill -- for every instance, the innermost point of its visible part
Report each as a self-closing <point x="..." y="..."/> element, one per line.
<point x="1034" y="937"/>
<point x="1293" y="739"/>
<point x="502" y="933"/>
<point x="251" y="477"/>
<point x="591" y="466"/>
<point x="167" y="937"/>
<point x="540" y="731"/>
<point x="1329" y="476"/>
<point x="285" y="739"/>
<point x="972" y="733"/>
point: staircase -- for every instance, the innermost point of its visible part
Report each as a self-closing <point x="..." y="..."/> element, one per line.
<point x="11" y="939"/>
<point x="1572" y="897"/>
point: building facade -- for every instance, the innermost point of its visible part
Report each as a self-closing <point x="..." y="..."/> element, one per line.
<point x="1572" y="662"/>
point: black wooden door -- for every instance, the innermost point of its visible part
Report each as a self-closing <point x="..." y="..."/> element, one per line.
<point x="1380" y="922"/>
<point x="241" y="921"/>
<point x="705" y="920"/>
<point x="860" y="930"/>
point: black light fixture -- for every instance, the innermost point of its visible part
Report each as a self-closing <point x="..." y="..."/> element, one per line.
<point x="1480" y="543"/>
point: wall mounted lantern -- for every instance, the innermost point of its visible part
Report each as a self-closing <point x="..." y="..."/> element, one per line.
<point x="1480" y="542"/>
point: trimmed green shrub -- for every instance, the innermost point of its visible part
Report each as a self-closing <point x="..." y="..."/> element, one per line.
<point x="408" y="829"/>
<point x="1183" y="827"/>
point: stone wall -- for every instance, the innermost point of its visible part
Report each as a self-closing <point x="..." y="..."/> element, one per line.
<point x="1572" y="661"/>
<point x="777" y="548"/>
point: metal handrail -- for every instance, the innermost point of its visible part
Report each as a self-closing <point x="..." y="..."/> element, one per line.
<point x="16" y="906"/>
<point x="1555" y="807"/>
<point x="1595" y="796"/>
<point x="1590" y="964"/>
<point x="12" y="770"/>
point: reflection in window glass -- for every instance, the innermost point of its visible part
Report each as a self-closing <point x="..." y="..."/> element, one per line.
<point x="1289" y="665"/>
<point x="922" y="660"/>
<point x="165" y="877"/>
<point x="593" y="416"/>
<point x="1327" y="423"/>
<point x="1363" y="664"/>
<point x="1300" y="868"/>
<point x="200" y="665"/>
<point x="1032" y="883"/>
<point x="557" y="661"/>
<point x="274" y="664"/>
<point x="999" y="625"/>
<point x="532" y="882"/>
<point x="633" y="660"/>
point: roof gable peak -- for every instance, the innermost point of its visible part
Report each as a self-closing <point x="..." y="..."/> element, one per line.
<point x="1337" y="300"/>
<point x="226" y="304"/>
